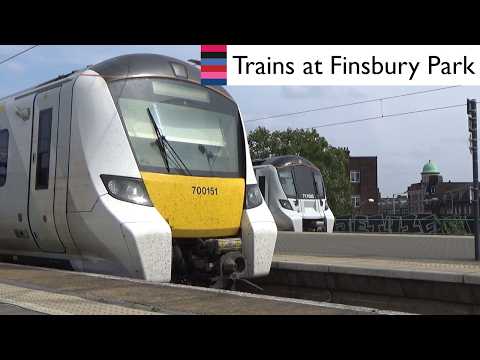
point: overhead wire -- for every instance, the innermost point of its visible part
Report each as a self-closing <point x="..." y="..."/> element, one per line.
<point x="387" y="116"/>
<point x="17" y="54"/>
<point x="350" y="104"/>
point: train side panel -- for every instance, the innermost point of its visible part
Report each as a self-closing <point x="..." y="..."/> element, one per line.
<point x="16" y="117"/>
<point x="105" y="228"/>
<point x="61" y="171"/>
<point x="259" y="232"/>
<point x="285" y="219"/>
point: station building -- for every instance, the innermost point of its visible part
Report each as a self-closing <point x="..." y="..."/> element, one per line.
<point x="432" y="195"/>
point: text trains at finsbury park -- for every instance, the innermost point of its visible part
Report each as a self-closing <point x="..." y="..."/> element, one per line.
<point x="130" y="167"/>
<point x="342" y="65"/>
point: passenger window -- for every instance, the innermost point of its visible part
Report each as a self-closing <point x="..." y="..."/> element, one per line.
<point x="261" y="185"/>
<point x="3" y="156"/>
<point x="43" y="149"/>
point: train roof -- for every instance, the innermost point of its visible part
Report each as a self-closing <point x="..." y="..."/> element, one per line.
<point x="133" y="65"/>
<point x="282" y="161"/>
<point x="155" y="65"/>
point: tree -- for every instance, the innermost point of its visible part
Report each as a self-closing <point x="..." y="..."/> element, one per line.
<point x="332" y="161"/>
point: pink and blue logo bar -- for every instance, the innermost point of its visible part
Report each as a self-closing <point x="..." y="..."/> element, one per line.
<point x="213" y="65"/>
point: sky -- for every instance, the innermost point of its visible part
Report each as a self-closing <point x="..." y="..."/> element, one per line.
<point x="402" y="144"/>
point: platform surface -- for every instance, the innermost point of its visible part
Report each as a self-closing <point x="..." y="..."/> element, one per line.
<point x="8" y="309"/>
<point x="467" y="272"/>
<point x="49" y="291"/>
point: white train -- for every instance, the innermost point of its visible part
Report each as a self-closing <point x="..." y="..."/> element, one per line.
<point x="130" y="167"/>
<point x="295" y="192"/>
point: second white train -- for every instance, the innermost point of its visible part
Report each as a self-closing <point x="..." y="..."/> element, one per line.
<point x="295" y="192"/>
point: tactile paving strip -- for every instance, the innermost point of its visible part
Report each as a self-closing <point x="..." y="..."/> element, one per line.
<point x="388" y="263"/>
<point x="60" y="304"/>
<point x="429" y="265"/>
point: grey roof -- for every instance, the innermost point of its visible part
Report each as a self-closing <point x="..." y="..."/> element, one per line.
<point x="142" y="65"/>
<point x="286" y="160"/>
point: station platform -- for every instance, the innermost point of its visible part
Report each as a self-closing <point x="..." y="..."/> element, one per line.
<point x="311" y="274"/>
<point x="423" y="286"/>
<point x="33" y="290"/>
<point x="449" y="271"/>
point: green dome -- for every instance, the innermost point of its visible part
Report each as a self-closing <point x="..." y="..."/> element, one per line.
<point x="430" y="168"/>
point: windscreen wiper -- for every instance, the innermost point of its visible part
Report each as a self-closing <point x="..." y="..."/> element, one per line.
<point x="178" y="160"/>
<point x="320" y="192"/>
<point x="164" y="143"/>
<point x="208" y="154"/>
<point x="160" y="140"/>
<point x="315" y="185"/>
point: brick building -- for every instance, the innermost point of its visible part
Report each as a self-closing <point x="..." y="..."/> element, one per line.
<point x="363" y="178"/>
<point x="434" y="196"/>
<point x="393" y="206"/>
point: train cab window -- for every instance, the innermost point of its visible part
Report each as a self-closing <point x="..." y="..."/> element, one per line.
<point x="3" y="156"/>
<point x="43" y="149"/>
<point x="304" y="182"/>
<point x="261" y="185"/>
<point x="201" y="126"/>
<point x="286" y="179"/>
<point x="319" y="184"/>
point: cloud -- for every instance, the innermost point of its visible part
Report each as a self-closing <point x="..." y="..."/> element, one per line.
<point x="15" y="67"/>
<point x="83" y="55"/>
<point x="302" y="91"/>
<point x="306" y="92"/>
<point x="315" y="92"/>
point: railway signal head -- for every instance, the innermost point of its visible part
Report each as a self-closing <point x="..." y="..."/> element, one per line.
<point x="472" y="114"/>
<point x="471" y="106"/>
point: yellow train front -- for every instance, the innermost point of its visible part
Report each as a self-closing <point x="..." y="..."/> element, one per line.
<point x="190" y="146"/>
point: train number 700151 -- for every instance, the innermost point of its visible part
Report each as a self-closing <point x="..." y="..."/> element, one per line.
<point x="204" y="190"/>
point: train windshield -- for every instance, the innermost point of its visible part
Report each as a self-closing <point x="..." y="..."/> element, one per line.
<point x="202" y="126"/>
<point x="288" y="184"/>
<point x="302" y="182"/>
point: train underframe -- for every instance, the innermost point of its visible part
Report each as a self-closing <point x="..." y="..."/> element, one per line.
<point x="314" y="225"/>
<point x="216" y="263"/>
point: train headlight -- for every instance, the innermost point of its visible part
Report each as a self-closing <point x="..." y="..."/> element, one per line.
<point x="285" y="204"/>
<point x="253" y="196"/>
<point x="127" y="189"/>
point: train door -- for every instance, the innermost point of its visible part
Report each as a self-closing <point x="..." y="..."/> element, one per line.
<point x="261" y="175"/>
<point x="262" y="184"/>
<point x="42" y="171"/>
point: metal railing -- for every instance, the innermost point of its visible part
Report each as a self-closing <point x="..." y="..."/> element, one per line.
<point x="416" y="224"/>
